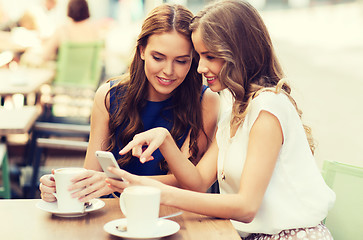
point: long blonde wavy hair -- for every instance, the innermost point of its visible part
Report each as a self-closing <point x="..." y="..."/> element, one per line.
<point x="234" y="31"/>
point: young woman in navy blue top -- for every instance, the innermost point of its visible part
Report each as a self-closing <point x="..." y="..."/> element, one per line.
<point x="162" y="89"/>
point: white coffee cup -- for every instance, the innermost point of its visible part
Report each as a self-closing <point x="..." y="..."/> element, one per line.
<point x="140" y="205"/>
<point x="66" y="203"/>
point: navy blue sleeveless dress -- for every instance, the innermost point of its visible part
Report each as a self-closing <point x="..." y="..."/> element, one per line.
<point x="154" y="114"/>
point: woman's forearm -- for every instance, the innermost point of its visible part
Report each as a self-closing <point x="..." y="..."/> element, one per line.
<point x="229" y="206"/>
<point x="185" y="172"/>
<point x="168" y="179"/>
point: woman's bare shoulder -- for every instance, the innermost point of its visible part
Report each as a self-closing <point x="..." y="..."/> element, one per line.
<point x="101" y="94"/>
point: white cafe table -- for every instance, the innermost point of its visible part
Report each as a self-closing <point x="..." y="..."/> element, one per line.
<point x="24" y="80"/>
<point x="21" y="219"/>
<point x="18" y="120"/>
<point x="15" y="121"/>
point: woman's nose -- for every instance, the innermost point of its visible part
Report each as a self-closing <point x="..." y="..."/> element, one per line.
<point x="201" y="67"/>
<point x="168" y="68"/>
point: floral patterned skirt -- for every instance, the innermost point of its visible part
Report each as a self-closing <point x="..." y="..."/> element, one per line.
<point x="320" y="232"/>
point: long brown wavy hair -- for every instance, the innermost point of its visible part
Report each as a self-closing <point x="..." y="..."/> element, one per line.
<point x="131" y="91"/>
<point x="234" y="31"/>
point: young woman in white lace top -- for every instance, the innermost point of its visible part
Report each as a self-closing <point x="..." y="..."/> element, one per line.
<point x="262" y="154"/>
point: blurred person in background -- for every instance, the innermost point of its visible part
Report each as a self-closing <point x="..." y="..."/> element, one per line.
<point x="27" y="20"/>
<point x="162" y="88"/>
<point x="47" y="17"/>
<point x="38" y="17"/>
<point x="78" y="28"/>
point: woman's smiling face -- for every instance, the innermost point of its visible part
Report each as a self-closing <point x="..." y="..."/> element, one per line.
<point x="209" y="65"/>
<point x="167" y="60"/>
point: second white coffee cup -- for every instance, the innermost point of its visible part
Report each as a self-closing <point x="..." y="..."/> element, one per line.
<point x="66" y="203"/>
<point x="140" y="205"/>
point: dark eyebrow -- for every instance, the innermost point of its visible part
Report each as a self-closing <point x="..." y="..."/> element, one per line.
<point x="205" y="53"/>
<point x="159" y="53"/>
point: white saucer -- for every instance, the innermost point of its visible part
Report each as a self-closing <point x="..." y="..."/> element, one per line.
<point x="164" y="228"/>
<point x="53" y="208"/>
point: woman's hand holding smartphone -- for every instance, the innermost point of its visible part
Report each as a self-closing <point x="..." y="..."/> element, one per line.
<point x="106" y="159"/>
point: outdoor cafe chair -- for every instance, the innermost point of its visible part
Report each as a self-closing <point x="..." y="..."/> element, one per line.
<point x="78" y="75"/>
<point x="345" y="219"/>
<point x="5" y="191"/>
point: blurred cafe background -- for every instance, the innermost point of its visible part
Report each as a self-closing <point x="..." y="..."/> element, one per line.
<point x="46" y="102"/>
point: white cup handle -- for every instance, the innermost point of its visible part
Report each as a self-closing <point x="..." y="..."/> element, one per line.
<point x="122" y="204"/>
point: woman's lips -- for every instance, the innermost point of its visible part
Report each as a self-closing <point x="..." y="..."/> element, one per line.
<point x="165" y="81"/>
<point x="211" y="80"/>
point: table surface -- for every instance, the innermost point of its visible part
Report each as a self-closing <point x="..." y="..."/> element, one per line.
<point x="24" y="80"/>
<point x="18" y="120"/>
<point x="21" y="219"/>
